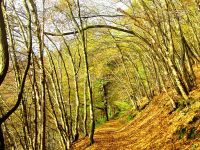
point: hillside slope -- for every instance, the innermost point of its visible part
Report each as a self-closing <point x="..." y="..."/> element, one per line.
<point x="157" y="127"/>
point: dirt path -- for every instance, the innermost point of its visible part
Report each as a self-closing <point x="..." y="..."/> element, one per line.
<point x="154" y="128"/>
<point x="104" y="137"/>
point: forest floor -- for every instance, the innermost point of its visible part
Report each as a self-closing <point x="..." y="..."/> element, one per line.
<point x="156" y="127"/>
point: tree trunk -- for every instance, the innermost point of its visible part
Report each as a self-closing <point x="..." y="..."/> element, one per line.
<point x="2" y="145"/>
<point x="85" y="110"/>
<point x="105" y="96"/>
<point x="176" y="79"/>
<point x="4" y="55"/>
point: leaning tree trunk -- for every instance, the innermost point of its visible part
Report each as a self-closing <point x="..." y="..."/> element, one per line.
<point x="4" y="61"/>
<point x="4" y="56"/>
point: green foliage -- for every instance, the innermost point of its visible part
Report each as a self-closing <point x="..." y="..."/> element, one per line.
<point x="100" y="121"/>
<point x="112" y="64"/>
<point x="181" y="105"/>
<point x="181" y="132"/>
<point x="191" y="134"/>
<point x="123" y="106"/>
<point x="130" y="117"/>
<point x="194" y="146"/>
<point x="100" y="82"/>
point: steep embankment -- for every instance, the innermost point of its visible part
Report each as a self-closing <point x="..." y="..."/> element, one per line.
<point x="156" y="127"/>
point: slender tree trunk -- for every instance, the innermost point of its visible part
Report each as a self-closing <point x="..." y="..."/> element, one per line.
<point x="85" y="110"/>
<point x="36" y="101"/>
<point x="105" y="98"/>
<point x="40" y="37"/>
<point x="63" y="139"/>
<point x="146" y="76"/>
<point x="64" y="125"/>
<point x="176" y="79"/>
<point x="68" y="83"/>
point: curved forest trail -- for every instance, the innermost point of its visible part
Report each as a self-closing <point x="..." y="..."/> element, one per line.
<point x="157" y="127"/>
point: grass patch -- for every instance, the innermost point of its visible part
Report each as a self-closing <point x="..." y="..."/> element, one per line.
<point x="130" y="117"/>
<point x="100" y="121"/>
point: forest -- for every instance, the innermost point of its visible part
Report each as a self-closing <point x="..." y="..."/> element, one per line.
<point x="99" y="74"/>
